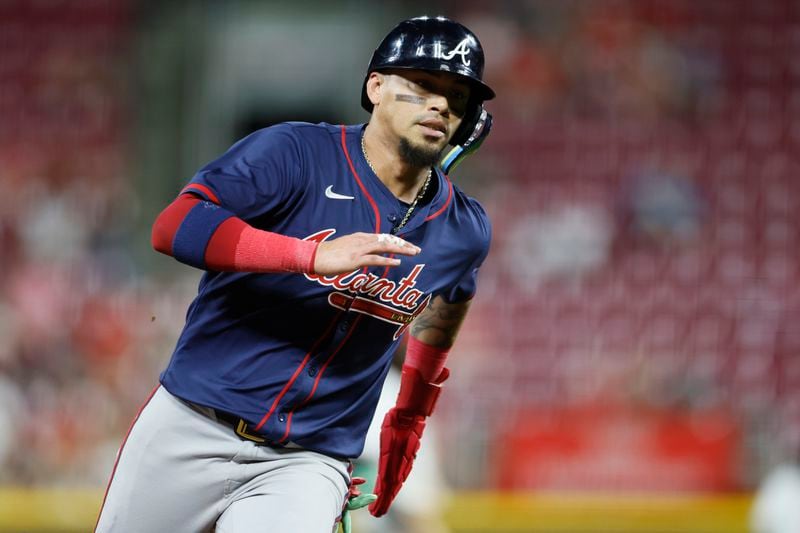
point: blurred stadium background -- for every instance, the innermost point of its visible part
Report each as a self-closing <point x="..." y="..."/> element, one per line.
<point x="631" y="362"/>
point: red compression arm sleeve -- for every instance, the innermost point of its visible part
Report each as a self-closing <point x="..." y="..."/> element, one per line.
<point x="235" y="246"/>
<point x="428" y="360"/>
<point x="240" y="247"/>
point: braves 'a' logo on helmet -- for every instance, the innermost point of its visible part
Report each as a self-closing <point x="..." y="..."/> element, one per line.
<point x="462" y="49"/>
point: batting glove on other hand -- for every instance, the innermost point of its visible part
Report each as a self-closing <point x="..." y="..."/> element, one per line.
<point x="355" y="501"/>
<point x="401" y="433"/>
<point x="400" y="440"/>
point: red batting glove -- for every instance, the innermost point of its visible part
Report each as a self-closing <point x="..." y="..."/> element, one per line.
<point x="401" y="433"/>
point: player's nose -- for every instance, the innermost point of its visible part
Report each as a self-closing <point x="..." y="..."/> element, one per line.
<point x="439" y="104"/>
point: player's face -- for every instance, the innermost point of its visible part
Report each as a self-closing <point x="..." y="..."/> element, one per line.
<point x="424" y="108"/>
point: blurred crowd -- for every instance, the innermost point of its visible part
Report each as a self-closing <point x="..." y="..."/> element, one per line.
<point x="82" y="331"/>
<point x="642" y="183"/>
<point x="610" y="59"/>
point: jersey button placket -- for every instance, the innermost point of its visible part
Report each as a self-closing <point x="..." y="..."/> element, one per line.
<point x="393" y="220"/>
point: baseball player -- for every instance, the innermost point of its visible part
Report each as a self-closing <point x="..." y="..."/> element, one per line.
<point x="321" y="245"/>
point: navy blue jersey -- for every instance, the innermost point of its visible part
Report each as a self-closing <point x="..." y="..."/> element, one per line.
<point x="302" y="358"/>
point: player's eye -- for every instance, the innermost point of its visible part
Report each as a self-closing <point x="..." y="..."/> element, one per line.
<point x="423" y="84"/>
<point x="459" y="109"/>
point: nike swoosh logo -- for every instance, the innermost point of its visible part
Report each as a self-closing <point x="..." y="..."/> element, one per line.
<point x="336" y="196"/>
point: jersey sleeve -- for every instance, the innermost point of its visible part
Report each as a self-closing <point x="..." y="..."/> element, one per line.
<point x="464" y="289"/>
<point x="256" y="176"/>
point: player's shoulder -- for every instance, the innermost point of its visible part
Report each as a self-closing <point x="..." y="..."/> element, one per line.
<point x="307" y="141"/>
<point x="296" y="130"/>
<point x="470" y="211"/>
<point x="470" y="208"/>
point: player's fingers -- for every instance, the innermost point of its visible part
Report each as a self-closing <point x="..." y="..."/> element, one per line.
<point x="393" y="239"/>
<point x="385" y="243"/>
<point x="379" y="260"/>
<point x="387" y="249"/>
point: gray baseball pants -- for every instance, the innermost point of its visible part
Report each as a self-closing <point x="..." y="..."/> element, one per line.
<point x="180" y="470"/>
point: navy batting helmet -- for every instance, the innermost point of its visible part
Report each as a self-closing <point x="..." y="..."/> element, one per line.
<point x="433" y="44"/>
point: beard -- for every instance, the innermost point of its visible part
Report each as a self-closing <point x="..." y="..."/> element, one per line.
<point x="418" y="156"/>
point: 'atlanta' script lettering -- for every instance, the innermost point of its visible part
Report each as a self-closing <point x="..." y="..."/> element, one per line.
<point x="401" y="294"/>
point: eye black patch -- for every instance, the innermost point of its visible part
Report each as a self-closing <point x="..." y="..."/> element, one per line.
<point x="410" y="98"/>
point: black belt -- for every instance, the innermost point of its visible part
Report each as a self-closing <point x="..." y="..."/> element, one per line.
<point x="242" y="429"/>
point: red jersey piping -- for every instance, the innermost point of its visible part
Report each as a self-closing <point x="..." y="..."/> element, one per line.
<point x="446" y="203"/>
<point x="119" y="454"/>
<point x="202" y="189"/>
<point x="296" y="373"/>
<point x="375" y="209"/>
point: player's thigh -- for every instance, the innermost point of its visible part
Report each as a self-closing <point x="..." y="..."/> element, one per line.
<point x="164" y="479"/>
<point x="305" y="496"/>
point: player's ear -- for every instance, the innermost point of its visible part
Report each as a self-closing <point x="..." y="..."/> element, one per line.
<point x="375" y="83"/>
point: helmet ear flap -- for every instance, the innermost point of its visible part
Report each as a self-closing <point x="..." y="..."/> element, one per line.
<point x="468" y="138"/>
<point x="468" y="123"/>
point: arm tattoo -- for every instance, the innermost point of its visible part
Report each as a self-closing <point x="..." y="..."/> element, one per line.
<point x="438" y="324"/>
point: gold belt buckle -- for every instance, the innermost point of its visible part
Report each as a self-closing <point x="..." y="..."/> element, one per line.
<point x="241" y="430"/>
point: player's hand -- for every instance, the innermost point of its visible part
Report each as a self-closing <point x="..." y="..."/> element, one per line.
<point x="355" y="501"/>
<point x="400" y="439"/>
<point x="357" y="250"/>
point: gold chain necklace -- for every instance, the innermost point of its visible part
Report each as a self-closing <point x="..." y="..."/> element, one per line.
<point x="420" y="194"/>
